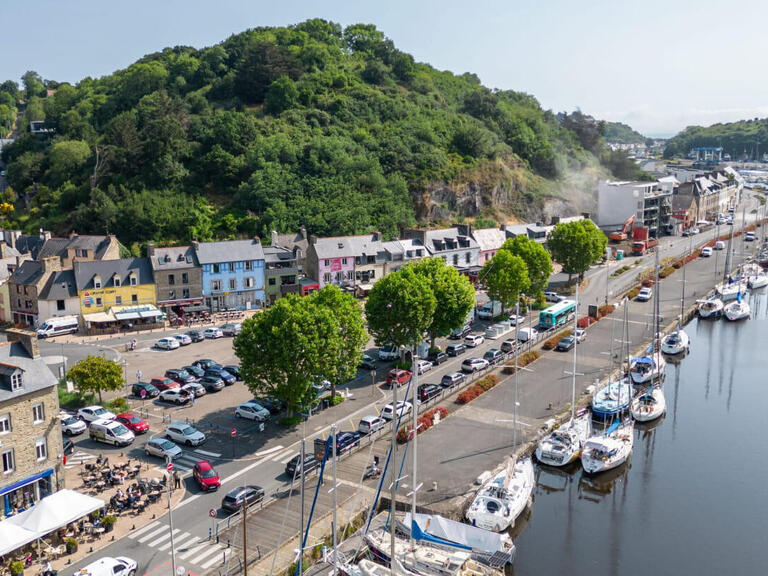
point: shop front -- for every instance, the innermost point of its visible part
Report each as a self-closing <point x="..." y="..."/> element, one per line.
<point x="123" y="318"/>
<point x="24" y="494"/>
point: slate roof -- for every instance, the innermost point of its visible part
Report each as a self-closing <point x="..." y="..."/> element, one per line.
<point x="60" y="286"/>
<point x="229" y="251"/>
<point x="28" y="273"/>
<point x="29" y="244"/>
<point x="37" y="375"/>
<point x="277" y="254"/>
<point x="59" y="246"/>
<point x="447" y="240"/>
<point x="106" y="269"/>
<point x="174" y="258"/>
<point x="340" y="246"/>
<point x="291" y="240"/>
<point x="489" y="238"/>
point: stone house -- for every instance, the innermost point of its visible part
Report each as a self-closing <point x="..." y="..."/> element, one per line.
<point x="25" y="285"/>
<point x="457" y="249"/>
<point x="281" y="272"/>
<point x="347" y="261"/>
<point x="178" y="277"/>
<point x="401" y="252"/>
<point x="81" y="248"/>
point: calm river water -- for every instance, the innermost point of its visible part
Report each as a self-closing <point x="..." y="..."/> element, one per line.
<point x="694" y="497"/>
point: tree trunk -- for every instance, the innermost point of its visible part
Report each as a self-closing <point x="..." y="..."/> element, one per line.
<point x="99" y="395"/>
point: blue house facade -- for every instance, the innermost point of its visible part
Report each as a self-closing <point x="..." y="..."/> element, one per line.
<point x="233" y="274"/>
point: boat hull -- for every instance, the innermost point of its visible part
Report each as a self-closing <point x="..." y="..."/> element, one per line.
<point x="711" y="309"/>
<point x="597" y="461"/>
<point x="612" y="399"/>
<point x="649" y="406"/>
<point x="648" y="375"/>
<point x="675" y="343"/>
<point x="737" y="311"/>
<point x="496" y="508"/>
<point x="563" y="446"/>
<point x="756" y="282"/>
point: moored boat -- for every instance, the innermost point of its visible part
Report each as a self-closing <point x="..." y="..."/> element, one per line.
<point x="649" y="405"/>
<point x="711" y="308"/>
<point x="739" y="310"/>
<point x="612" y="399"/>
<point x="646" y="368"/>
<point x="563" y="445"/>
<point x="504" y="497"/>
<point x="675" y="342"/>
<point x="604" y="452"/>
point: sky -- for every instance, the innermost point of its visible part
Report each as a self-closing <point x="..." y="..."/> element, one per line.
<point x="656" y="65"/>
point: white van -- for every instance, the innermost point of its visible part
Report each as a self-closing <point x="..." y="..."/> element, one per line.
<point x="719" y="245"/>
<point x="110" y="432"/>
<point x="108" y="566"/>
<point x="525" y="334"/>
<point x="57" y="326"/>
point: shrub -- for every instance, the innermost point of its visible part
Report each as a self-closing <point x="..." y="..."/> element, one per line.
<point x="74" y="400"/>
<point x="290" y="420"/>
<point x="550" y="343"/>
<point x="17" y="567"/>
<point x="677" y="265"/>
<point x="666" y="271"/>
<point x="585" y="322"/>
<point x="108" y="522"/>
<point x="633" y="292"/>
<point x="648" y="282"/>
<point x="117" y="405"/>
<point x="402" y="365"/>
<point x="336" y="400"/>
<point x="71" y="545"/>
<point x="522" y="360"/>
<point x="605" y="309"/>
<point x="425" y="422"/>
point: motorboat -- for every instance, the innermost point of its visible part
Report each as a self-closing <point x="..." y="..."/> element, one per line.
<point x="738" y="310"/>
<point x="711" y="308"/>
<point x="646" y="368"/>
<point x="612" y="399"/>
<point x="675" y="342"/>
<point x="503" y="498"/>
<point x="563" y="445"/>
<point x="610" y="450"/>
<point x="649" y="405"/>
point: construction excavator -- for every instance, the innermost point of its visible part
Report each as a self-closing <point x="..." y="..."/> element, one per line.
<point x="623" y="234"/>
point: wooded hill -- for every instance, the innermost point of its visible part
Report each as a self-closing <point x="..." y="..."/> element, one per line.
<point x="334" y="129"/>
<point x="739" y="139"/>
<point x="619" y="133"/>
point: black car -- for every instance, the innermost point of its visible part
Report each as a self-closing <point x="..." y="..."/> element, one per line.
<point x="195" y="371"/>
<point x="428" y="391"/>
<point x="274" y="405"/>
<point x="196" y="335"/>
<point x="234" y="370"/>
<point x="494" y="355"/>
<point x="235" y="498"/>
<point x="437" y="357"/>
<point x="566" y="344"/>
<point x="211" y="383"/>
<point x="69" y="446"/>
<point x="206" y="363"/>
<point x="180" y="376"/>
<point x="459" y="333"/>
<point x="149" y="390"/>
<point x="219" y="372"/>
<point x="455" y="349"/>
<point x="310" y="463"/>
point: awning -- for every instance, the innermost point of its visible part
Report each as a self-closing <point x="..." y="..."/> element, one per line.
<point x="127" y="315"/>
<point x="99" y="317"/>
<point x="150" y="313"/>
<point x="195" y="308"/>
<point x="13" y="537"/>
<point x="30" y="480"/>
<point x="56" y="511"/>
<point x="365" y="287"/>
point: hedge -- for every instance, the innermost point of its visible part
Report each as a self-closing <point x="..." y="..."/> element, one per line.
<point x="633" y="292"/>
<point x="666" y="271"/>
<point x="482" y="385"/>
<point x="550" y="343"/>
<point x="604" y="310"/>
<point x="522" y="360"/>
<point x="425" y="421"/>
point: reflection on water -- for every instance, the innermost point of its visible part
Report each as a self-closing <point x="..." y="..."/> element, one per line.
<point x="693" y="498"/>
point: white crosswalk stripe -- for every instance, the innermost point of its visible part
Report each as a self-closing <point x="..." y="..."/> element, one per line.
<point x="163" y="537"/>
<point x="193" y="551"/>
<point x="153" y="534"/>
<point x="77" y="458"/>
<point x="201" y="557"/>
<point x="182" y="543"/>
<point x="183" y="463"/>
<point x="176" y="542"/>
<point x="140" y="531"/>
<point x="214" y="560"/>
<point x="188" y="547"/>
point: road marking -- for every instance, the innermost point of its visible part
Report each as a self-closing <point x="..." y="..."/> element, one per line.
<point x="194" y="550"/>
<point x="163" y="537"/>
<point x="176" y="542"/>
<point x="211" y="454"/>
<point x="153" y="534"/>
<point x="136" y="533"/>
<point x="212" y="550"/>
<point x="243" y="471"/>
<point x="269" y="451"/>
<point x="215" y="560"/>
<point x="288" y="458"/>
<point x="187" y="501"/>
<point x="191" y="542"/>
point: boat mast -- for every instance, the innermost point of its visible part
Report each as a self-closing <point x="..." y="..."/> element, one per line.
<point x="576" y="341"/>
<point x="393" y="487"/>
<point x="514" y="408"/>
<point x="415" y="432"/>
<point x="657" y="325"/>
<point x="682" y="293"/>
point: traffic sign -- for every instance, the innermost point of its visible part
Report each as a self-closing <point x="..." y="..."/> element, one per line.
<point x="143" y="393"/>
<point x="233" y="433"/>
<point x="212" y="512"/>
<point x="169" y="466"/>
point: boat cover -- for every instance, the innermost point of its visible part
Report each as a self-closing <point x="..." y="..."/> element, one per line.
<point x="613" y="427"/>
<point x="643" y="360"/>
<point x="419" y="534"/>
<point x="471" y="537"/>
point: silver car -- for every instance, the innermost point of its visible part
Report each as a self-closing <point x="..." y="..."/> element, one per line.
<point x="252" y="411"/>
<point x="184" y="433"/>
<point x="162" y="448"/>
<point x="232" y="329"/>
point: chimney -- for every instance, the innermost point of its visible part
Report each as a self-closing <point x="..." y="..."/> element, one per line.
<point x="257" y="240"/>
<point x="51" y="264"/>
<point x="313" y="239"/>
<point x="303" y="232"/>
<point x="150" y="249"/>
<point x="195" y="244"/>
<point x="46" y="234"/>
<point x="3" y="249"/>
<point x="72" y="234"/>
<point x="13" y="236"/>
<point x="375" y="236"/>
<point x="273" y="235"/>
<point x="26" y="338"/>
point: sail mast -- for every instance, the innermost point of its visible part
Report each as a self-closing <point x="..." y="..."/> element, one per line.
<point x="576" y="341"/>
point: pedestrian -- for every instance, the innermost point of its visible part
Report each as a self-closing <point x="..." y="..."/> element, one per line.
<point x="176" y="479"/>
<point x="192" y="396"/>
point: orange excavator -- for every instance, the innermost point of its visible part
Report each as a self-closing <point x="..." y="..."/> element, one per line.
<point x="623" y="234"/>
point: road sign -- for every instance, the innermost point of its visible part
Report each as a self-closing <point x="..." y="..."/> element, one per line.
<point x="169" y="466"/>
<point x="143" y="393"/>
<point x="212" y="512"/>
<point x="233" y="433"/>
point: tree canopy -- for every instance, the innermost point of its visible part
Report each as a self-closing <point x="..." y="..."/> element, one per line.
<point x="537" y="260"/>
<point x="577" y="245"/>
<point x="97" y="374"/>
<point x="505" y="277"/>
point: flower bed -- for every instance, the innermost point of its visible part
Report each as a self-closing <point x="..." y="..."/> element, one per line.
<point x="550" y="343"/>
<point x="425" y="422"/>
<point x="585" y="321"/>
<point x="666" y="271"/>
<point x="523" y="360"/>
<point x="633" y="292"/>
<point x="482" y="385"/>
<point x="604" y="310"/>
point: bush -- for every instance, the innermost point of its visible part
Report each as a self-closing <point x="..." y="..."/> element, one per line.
<point x="74" y="400"/>
<point x="633" y="292"/>
<point x="109" y="522"/>
<point x="17" y="567"/>
<point x="604" y="310"/>
<point x="117" y="405"/>
<point x="666" y="271"/>
<point x="336" y="400"/>
<point x="677" y="265"/>
<point x="425" y="422"/>
<point x="550" y="343"/>
<point x="523" y="360"/>
<point x="71" y="545"/>
<point x="482" y="385"/>
<point x="290" y="421"/>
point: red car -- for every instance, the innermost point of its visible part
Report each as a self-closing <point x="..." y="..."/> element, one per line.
<point x="164" y="383"/>
<point x="206" y="477"/>
<point x="133" y="423"/>
<point x="399" y="376"/>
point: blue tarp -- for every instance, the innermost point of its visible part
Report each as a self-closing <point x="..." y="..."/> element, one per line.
<point x="419" y="534"/>
<point x="643" y="360"/>
<point x="613" y="427"/>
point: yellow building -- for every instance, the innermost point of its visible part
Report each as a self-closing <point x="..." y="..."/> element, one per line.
<point x="116" y="294"/>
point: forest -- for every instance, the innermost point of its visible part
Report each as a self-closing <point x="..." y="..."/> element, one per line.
<point x="317" y="125"/>
<point x="745" y="139"/>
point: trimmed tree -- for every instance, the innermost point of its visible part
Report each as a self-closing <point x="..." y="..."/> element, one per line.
<point x="536" y="258"/>
<point x="505" y="277"/>
<point x="97" y="374"/>
<point x="577" y="245"/>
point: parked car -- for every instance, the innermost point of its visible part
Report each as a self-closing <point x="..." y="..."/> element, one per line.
<point x="164" y="383"/>
<point x="566" y="343"/>
<point x="474" y="365"/>
<point x="213" y="333"/>
<point x="493" y="356"/>
<point x="706" y="252"/>
<point x="645" y="294"/>
<point x="451" y="380"/>
<point x="525" y="334"/>
<point x="184" y="433"/>
<point x="403" y="408"/>
<point x="133" y="423"/>
<point x="244" y="495"/>
<point x="389" y="352"/>
<point x="93" y="413"/>
<point x="196" y="371"/>
<point x="219" y="372"/>
<point x="234" y="369"/>
<point x="514" y="319"/>
<point x="162" y="448"/>
<point x="149" y="390"/>
<point x="72" y="426"/>
<point x="428" y="391"/>
<point x="719" y="245"/>
<point x="183" y="339"/>
<point x="211" y="383"/>
<point x="310" y="463"/>
<point x="474" y="340"/>
<point x="508" y="346"/>
<point x="367" y="363"/>
<point x="369" y="424"/>
<point x="167" y="344"/>
<point x="196" y="335"/>
<point x="398" y="376"/>
<point x="437" y="356"/>
<point x="205" y="476"/>
<point x="688" y="232"/>
<point x="232" y="329"/>
<point x="346" y="440"/>
<point x="553" y="297"/>
<point x="110" y="432"/>
<point x="274" y="405"/>
<point x="175" y="396"/>
<point x="423" y="366"/>
<point x="459" y="333"/>
<point x="581" y="334"/>
<point x="455" y="349"/>
<point x="206" y="363"/>
<point x="180" y="375"/>
<point x="194" y="388"/>
<point x="252" y="411"/>
<point x="321" y="385"/>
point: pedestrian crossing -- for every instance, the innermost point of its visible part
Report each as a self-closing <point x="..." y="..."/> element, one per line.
<point x="185" y="463"/>
<point x="189" y="549"/>
<point x="77" y="458"/>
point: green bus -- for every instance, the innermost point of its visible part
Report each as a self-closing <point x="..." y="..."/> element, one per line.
<point x="557" y="314"/>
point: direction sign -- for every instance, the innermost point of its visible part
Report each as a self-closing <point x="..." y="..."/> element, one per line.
<point x="169" y="466"/>
<point x="212" y="512"/>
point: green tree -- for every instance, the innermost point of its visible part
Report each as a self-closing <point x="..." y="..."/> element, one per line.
<point x="577" y="245"/>
<point x="454" y="295"/>
<point x="33" y="84"/>
<point x="97" y="374"/>
<point x="400" y="308"/>
<point x="282" y="95"/>
<point x="283" y="350"/>
<point x="506" y="277"/>
<point x="537" y="260"/>
<point x="66" y="157"/>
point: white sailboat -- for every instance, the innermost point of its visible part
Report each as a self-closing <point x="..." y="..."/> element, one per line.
<point x="757" y="280"/>
<point x="504" y="497"/>
<point x="563" y="445"/>
<point x="646" y="369"/>
<point x="649" y="405"/>
<point x="610" y="450"/>
<point x="738" y="310"/>
<point x="728" y="291"/>
<point x="678" y="341"/>
<point x="711" y="308"/>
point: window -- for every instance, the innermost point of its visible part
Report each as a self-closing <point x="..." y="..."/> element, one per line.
<point x="16" y="381"/>
<point x="351" y="275"/>
<point x="339" y="276"/>
<point x="41" y="450"/>
<point x="248" y="282"/>
<point x="25" y="290"/>
<point x="18" y="288"/>
<point x="373" y="274"/>
<point x="343" y="261"/>
<point x="134" y="298"/>
<point x="455" y="259"/>
<point x="38" y="413"/>
<point x="271" y="281"/>
<point x="233" y="283"/>
<point x="468" y="257"/>
<point x="326" y="263"/>
<point x="18" y="302"/>
<point x="184" y="278"/>
<point x="249" y="265"/>
<point x="171" y="279"/>
<point x="97" y="282"/>
<point x="215" y="268"/>
<point x="5" y="423"/>
<point x="98" y="301"/>
<point x="185" y="293"/>
<point x="327" y="277"/>
<point x="118" y="300"/>
<point x="28" y="304"/>
<point x="133" y="280"/>
<point x="8" y="463"/>
<point x="117" y="281"/>
<point x="216" y="285"/>
<point x="60" y="305"/>
<point x="171" y="294"/>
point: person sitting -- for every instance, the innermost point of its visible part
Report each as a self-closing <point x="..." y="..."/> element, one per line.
<point x="48" y="570"/>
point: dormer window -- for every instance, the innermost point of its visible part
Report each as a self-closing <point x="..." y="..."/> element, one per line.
<point x="116" y="281"/>
<point x="133" y="279"/>
<point x="16" y="381"/>
<point x="97" y="282"/>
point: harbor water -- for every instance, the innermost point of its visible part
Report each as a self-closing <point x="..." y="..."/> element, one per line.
<point x="694" y="497"/>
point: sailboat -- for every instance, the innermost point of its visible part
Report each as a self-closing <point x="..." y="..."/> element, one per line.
<point x="738" y="310"/>
<point x="649" y="405"/>
<point x="678" y="341"/>
<point x="615" y="397"/>
<point x="711" y="308"/>
<point x="647" y="368"/>
<point x="730" y="288"/>
<point x="563" y="445"/>
<point x="609" y="450"/>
